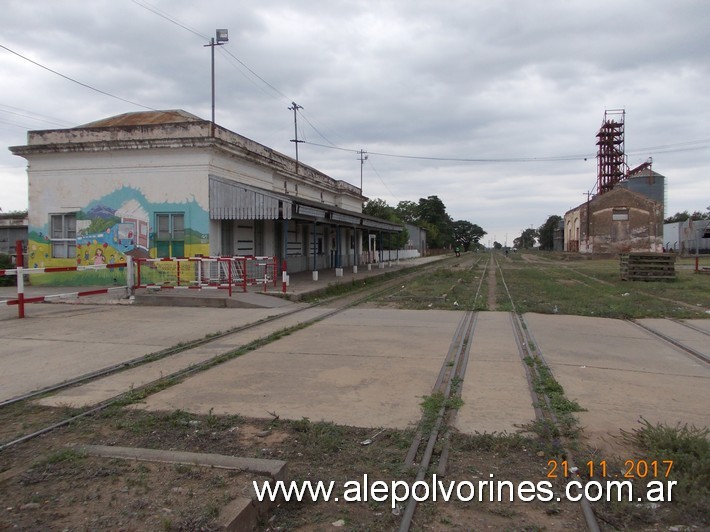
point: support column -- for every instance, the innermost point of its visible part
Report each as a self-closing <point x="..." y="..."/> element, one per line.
<point x="338" y="247"/>
<point x="314" y="246"/>
<point x="284" y="230"/>
<point x="357" y="239"/>
<point x="338" y="251"/>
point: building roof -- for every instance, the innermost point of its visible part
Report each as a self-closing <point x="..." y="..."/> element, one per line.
<point x="143" y="118"/>
<point x="611" y="195"/>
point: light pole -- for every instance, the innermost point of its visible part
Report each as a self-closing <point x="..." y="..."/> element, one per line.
<point x="221" y="37"/>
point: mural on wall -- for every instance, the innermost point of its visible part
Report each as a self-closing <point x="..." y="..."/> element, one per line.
<point x="116" y="225"/>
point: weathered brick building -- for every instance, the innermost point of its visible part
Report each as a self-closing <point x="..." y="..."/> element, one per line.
<point x="618" y="221"/>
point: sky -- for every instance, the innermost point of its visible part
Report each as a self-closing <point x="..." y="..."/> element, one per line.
<point x="493" y="106"/>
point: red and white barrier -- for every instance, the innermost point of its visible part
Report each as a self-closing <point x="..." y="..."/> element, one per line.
<point x="65" y="295"/>
<point x="203" y="273"/>
<point x="64" y="268"/>
<point x="20" y="272"/>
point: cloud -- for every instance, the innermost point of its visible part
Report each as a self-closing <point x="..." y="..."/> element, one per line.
<point x="456" y="80"/>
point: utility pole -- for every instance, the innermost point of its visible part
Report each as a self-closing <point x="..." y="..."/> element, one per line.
<point x="363" y="158"/>
<point x="588" y="224"/>
<point x="295" y="109"/>
<point x="221" y="37"/>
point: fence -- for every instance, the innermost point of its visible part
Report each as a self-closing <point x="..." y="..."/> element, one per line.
<point x="206" y="272"/>
<point x="189" y="273"/>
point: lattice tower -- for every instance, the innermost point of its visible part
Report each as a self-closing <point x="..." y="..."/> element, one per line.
<point x="610" y="152"/>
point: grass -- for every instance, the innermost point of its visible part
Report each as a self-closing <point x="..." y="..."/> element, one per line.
<point x="688" y="448"/>
<point x="593" y="288"/>
<point x="432" y="405"/>
<point x="61" y="456"/>
<point x="450" y="287"/>
<point x="339" y="289"/>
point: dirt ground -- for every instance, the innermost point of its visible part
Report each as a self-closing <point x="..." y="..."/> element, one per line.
<point x="47" y="486"/>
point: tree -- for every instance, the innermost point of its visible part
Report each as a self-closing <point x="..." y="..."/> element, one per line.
<point x="546" y="232"/>
<point x="526" y="240"/>
<point x="379" y="208"/>
<point x="467" y="233"/>
<point x="677" y="217"/>
<point x="685" y="215"/>
<point x="433" y="211"/>
<point x="408" y="211"/>
<point x="430" y="213"/>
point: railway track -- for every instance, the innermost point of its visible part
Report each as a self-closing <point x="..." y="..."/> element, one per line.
<point x="330" y="307"/>
<point x="675" y="342"/>
<point x="448" y="388"/>
<point x="429" y="447"/>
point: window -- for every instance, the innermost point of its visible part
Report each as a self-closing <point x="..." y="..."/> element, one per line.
<point x="170" y="238"/>
<point x="62" y="235"/>
<point x="620" y="214"/>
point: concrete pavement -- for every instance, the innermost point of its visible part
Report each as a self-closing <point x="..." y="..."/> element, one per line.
<point x="366" y="367"/>
<point x="62" y="342"/>
<point x="621" y="373"/>
<point x="363" y="367"/>
<point x="496" y="396"/>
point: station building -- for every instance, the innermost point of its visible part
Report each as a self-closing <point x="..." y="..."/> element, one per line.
<point x="170" y="184"/>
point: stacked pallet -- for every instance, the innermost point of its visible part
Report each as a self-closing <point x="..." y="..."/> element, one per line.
<point x="647" y="266"/>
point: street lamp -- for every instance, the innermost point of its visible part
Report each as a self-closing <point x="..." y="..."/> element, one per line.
<point x="221" y="37"/>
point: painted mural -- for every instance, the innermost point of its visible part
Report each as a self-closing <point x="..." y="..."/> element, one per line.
<point x="112" y="227"/>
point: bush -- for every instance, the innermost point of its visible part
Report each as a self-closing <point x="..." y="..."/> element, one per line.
<point x="6" y="264"/>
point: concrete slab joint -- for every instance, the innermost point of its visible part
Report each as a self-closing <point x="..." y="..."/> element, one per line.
<point x="242" y="513"/>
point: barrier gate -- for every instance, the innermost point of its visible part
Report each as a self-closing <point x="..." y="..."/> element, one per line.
<point x="224" y="273"/>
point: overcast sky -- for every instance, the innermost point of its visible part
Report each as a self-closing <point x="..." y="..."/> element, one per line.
<point x="491" y="105"/>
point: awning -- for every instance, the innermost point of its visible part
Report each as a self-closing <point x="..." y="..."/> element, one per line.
<point x="230" y="200"/>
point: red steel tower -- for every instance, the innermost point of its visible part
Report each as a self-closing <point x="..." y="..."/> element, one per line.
<point x="610" y="152"/>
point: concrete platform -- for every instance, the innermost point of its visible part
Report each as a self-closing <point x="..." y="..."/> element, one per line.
<point x="301" y="284"/>
<point x="256" y="296"/>
<point x="56" y="343"/>
<point x="621" y="373"/>
<point x="496" y="396"/>
<point x="364" y="367"/>
<point x="210" y="299"/>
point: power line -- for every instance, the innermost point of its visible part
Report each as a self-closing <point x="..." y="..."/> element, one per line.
<point x="369" y="161"/>
<point x="669" y="148"/>
<point x="163" y="14"/>
<point x="75" y="81"/>
<point x="177" y="22"/>
<point x="463" y="159"/>
<point x="42" y="118"/>
<point x="317" y="130"/>
<point x="277" y="91"/>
